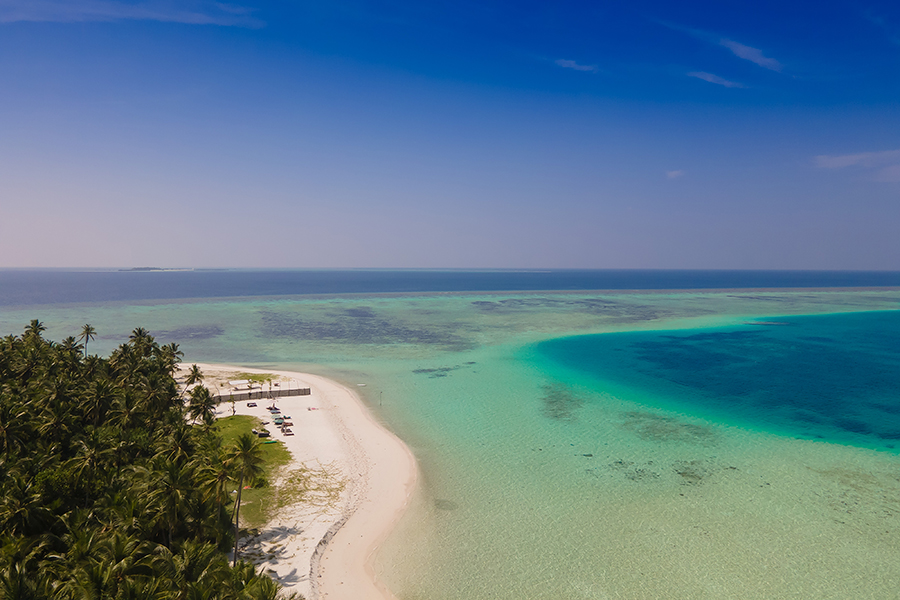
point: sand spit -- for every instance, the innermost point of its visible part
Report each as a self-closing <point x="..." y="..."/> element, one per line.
<point x="357" y="478"/>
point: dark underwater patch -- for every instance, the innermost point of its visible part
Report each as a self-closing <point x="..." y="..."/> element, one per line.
<point x="359" y="312"/>
<point x="640" y="474"/>
<point x="559" y="403"/>
<point x="693" y="472"/>
<point x="196" y="332"/>
<point x="763" y="298"/>
<point x="362" y="327"/>
<point x="853" y="425"/>
<point x="441" y="371"/>
<point x="436" y="372"/>
<point x="636" y="472"/>
<point x="444" y="504"/>
<point x="612" y="310"/>
<point x="659" y="428"/>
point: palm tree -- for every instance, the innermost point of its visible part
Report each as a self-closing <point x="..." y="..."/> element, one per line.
<point x="56" y="421"/>
<point x="263" y="588"/>
<point x="202" y="404"/>
<point x="34" y="329"/>
<point x="126" y="556"/>
<point x="142" y="341"/>
<point x="246" y="460"/>
<point x="17" y="582"/>
<point x="170" y="356"/>
<point x="70" y="345"/>
<point x="195" y="375"/>
<point x="171" y="488"/>
<point x="213" y="474"/>
<point x="22" y="510"/>
<point x="127" y="411"/>
<point x="14" y="424"/>
<point x="97" y="400"/>
<point x="92" y="455"/>
<point x="178" y="445"/>
<point x="87" y="334"/>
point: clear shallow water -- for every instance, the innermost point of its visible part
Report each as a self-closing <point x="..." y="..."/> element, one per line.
<point x="543" y="481"/>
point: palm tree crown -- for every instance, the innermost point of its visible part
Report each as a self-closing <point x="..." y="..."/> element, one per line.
<point x="87" y="334"/>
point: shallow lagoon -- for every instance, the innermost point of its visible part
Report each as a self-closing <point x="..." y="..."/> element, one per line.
<point x="544" y="481"/>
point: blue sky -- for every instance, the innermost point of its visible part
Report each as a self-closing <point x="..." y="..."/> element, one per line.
<point x="449" y="134"/>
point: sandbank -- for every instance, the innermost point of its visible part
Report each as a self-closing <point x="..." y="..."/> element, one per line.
<point x="323" y="546"/>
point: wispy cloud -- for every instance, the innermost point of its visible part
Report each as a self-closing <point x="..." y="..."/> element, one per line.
<point x="892" y="30"/>
<point x="571" y="64"/>
<point x="195" y="12"/>
<point x="754" y="55"/>
<point x="675" y="174"/>
<point x="883" y="166"/>
<point x="715" y="79"/>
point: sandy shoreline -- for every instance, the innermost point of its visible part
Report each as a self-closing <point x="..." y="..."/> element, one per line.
<point x="325" y="548"/>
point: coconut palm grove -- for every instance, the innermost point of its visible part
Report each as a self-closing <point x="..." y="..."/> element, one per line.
<point x="113" y="485"/>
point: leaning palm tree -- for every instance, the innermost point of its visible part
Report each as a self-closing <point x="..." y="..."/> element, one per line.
<point x="195" y="375"/>
<point x="87" y="334"/>
<point x="245" y="458"/>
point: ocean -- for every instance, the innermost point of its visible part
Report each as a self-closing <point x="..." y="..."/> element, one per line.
<point x="581" y="434"/>
<point x="53" y="286"/>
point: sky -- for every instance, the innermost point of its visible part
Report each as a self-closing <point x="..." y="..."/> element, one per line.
<point x="309" y="134"/>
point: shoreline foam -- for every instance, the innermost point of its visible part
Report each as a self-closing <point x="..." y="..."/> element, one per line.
<point x="328" y="552"/>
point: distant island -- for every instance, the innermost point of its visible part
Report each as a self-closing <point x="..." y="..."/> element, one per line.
<point x="143" y="269"/>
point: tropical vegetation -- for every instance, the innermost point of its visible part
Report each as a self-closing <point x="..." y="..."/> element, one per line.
<point x="110" y="487"/>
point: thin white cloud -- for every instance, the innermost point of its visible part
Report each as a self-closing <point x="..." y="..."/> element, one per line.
<point x="571" y="64"/>
<point x="754" y="55"/>
<point x="675" y="174"/>
<point x="194" y="12"/>
<point x="863" y="159"/>
<point x="715" y="79"/>
<point x="883" y="166"/>
<point x="882" y="23"/>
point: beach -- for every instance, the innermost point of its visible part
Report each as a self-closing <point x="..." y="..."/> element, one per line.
<point x="325" y="547"/>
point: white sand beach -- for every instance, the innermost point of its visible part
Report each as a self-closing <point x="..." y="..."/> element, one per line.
<point x="323" y="546"/>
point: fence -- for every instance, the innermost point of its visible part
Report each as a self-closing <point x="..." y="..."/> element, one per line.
<point x="261" y="394"/>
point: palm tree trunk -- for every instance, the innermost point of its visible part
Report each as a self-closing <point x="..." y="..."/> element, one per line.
<point x="237" y="516"/>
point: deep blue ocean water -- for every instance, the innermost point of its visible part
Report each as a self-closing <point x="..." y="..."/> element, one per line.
<point x="834" y="377"/>
<point x="30" y="287"/>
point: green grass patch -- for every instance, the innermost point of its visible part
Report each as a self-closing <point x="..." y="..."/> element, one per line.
<point x="256" y="377"/>
<point x="257" y="502"/>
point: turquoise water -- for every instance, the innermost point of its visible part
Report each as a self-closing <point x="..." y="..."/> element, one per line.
<point x="545" y="480"/>
<point x="830" y="377"/>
